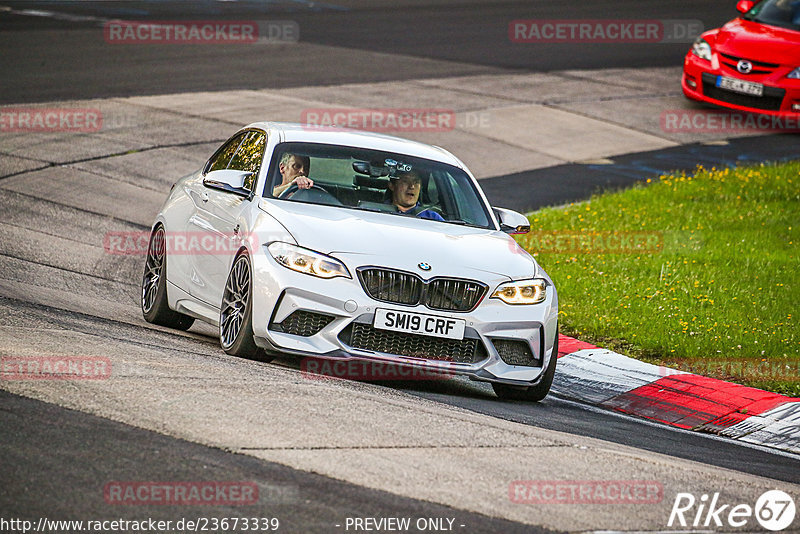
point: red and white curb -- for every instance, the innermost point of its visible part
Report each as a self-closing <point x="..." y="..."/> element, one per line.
<point x="685" y="400"/>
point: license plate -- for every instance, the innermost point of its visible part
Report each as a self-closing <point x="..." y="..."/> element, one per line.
<point x="740" y="86"/>
<point x="419" y="323"/>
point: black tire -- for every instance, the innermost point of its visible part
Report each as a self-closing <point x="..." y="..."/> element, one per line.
<point x="155" y="307"/>
<point x="531" y="393"/>
<point x="235" y="315"/>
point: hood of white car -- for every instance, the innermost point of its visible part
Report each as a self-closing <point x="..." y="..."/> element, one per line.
<point x="362" y="238"/>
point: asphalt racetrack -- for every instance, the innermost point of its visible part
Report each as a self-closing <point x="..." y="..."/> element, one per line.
<point x="61" y="57"/>
<point x="322" y="452"/>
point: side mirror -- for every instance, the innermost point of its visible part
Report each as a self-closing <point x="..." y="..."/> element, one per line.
<point x="230" y="181"/>
<point x="512" y="222"/>
<point x="745" y="5"/>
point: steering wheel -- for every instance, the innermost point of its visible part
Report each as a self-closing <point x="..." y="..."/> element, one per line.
<point x="292" y="189"/>
<point x="314" y="194"/>
<point x="432" y="207"/>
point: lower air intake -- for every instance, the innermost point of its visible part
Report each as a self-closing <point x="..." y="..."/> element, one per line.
<point x="365" y="337"/>
<point x="303" y="323"/>
<point x="516" y="352"/>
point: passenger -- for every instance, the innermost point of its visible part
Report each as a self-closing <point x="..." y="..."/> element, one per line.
<point x="294" y="170"/>
<point x="405" y="189"/>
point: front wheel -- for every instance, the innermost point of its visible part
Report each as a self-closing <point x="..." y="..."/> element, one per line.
<point x="236" y="313"/>
<point x="531" y="393"/>
<point x="155" y="307"/>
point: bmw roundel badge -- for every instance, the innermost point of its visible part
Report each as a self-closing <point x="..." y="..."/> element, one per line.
<point x="424" y="266"/>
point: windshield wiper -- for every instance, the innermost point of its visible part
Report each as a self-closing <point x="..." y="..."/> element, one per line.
<point x="462" y="222"/>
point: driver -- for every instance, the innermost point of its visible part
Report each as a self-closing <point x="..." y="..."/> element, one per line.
<point x="294" y="170"/>
<point x="405" y="189"/>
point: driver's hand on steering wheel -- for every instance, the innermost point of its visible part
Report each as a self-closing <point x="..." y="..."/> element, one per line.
<point x="303" y="182"/>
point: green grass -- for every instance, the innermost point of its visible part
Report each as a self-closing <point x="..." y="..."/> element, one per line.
<point x="717" y="290"/>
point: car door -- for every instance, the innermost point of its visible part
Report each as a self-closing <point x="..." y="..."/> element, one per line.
<point x="219" y="222"/>
<point x="199" y="223"/>
<point x="195" y="223"/>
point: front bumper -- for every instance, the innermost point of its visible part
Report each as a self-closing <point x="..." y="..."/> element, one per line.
<point x="339" y="326"/>
<point x="781" y="95"/>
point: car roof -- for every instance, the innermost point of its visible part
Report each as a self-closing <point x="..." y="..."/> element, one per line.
<point x="294" y="132"/>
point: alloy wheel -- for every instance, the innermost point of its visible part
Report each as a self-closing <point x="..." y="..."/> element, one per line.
<point x="234" y="302"/>
<point x="154" y="269"/>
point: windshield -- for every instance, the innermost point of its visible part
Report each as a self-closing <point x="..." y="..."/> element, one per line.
<point x="372" y="180"/>
<point x="783" y="13"/>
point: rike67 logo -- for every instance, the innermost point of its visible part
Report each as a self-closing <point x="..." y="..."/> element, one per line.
<point x="774" y="510"/>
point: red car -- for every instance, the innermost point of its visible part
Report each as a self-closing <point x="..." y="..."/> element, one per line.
<point x="750" y="64"/>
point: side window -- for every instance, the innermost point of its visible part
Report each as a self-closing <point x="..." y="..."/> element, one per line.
<point x="431" y="193"/>
<point x="249" y="155"/>
<point x="468" y="207"/>
<point x="220" y="160"/>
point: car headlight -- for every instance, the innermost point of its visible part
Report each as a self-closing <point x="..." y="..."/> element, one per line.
<point x="702" y="49"/>
<point x="531" y="291"/>
<point x="307" y="261"/>
<point x="795" y="74"/>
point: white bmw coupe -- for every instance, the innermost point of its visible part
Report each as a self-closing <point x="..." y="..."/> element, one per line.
<point x="347" y="245"/>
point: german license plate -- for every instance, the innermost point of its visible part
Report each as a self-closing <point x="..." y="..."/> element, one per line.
<point x="740" y="86"/>
<point x="419" y="323"/>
